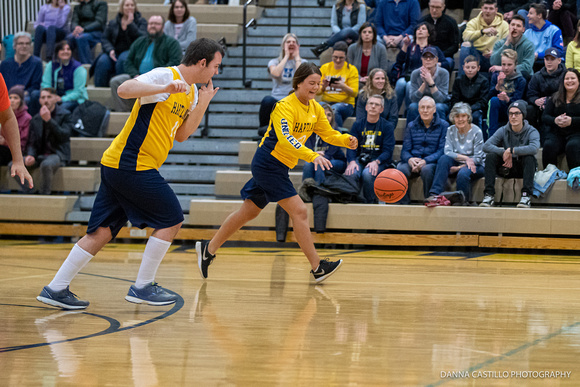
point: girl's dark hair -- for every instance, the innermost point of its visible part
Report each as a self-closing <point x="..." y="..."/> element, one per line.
<point x="430" y="31"/>
<point x="171" y="16"/>
<point x="577" y="36"/>
<point x="202" y="48"/>
<point x="360" y="30"/>
<point x="304" y="71"/>
<point x="59" y="47"/>
<point x="559" y="97"/>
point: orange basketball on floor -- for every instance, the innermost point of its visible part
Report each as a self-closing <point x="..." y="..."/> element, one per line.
<point x="391" y="185"/>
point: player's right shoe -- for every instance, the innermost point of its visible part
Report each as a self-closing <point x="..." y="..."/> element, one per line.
<point x="204" y="258"/>
<point x="64" y="299"/>
<point x="151" y="294"/>
<point x="325" y="269"/>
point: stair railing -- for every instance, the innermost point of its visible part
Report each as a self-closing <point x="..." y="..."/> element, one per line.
<point x="252" y="23"/>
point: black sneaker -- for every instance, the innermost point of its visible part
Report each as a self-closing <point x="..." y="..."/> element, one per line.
<point x="64" y="299"/>
<point x="204" y="258"/>
<point x="325" y="269"/>
<point x="152" y="294"/>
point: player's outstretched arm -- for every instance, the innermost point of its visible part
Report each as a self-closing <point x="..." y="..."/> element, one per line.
<point x="12" y="135"/>
<point x="190" y="125"/>
<point x="137" y="89"/>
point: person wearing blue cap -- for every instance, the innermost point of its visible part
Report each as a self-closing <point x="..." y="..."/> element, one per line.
<point x="543" y="84"/>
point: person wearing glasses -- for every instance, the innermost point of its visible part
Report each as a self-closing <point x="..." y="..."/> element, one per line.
<point x="339" y="85"/>
<point x="511" y="153"/>
<point x="24" y="69"/>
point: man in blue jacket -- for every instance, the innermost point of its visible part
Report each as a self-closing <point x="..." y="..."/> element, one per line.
<point x="542" y="34"/>
<point x="396" y="19"/>
<point x="376" y="142"/>
<point x="423" y="145"/>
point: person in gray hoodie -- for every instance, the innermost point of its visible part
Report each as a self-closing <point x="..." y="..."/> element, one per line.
<point x="511" y="153"/>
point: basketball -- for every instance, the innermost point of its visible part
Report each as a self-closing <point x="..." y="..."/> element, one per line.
<point x="391" y="185"/>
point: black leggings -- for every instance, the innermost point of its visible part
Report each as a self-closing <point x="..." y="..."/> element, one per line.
<point x="556" y="144"/>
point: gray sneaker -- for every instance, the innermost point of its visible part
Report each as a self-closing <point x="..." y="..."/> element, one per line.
<point x="64" y="299"/>
<point x="525" y="202"/>
<point x="152" y="294"/>
<point x="488" y="201"/>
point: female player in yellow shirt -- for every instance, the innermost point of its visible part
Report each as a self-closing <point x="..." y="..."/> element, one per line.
<point x="292" y="121"/>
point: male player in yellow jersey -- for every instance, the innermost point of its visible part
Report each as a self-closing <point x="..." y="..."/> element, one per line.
<point x="168" y="106"/>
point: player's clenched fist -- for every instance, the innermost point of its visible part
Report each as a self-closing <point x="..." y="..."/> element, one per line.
<point x="176" y="86"/>
<point x="352" y="143"/>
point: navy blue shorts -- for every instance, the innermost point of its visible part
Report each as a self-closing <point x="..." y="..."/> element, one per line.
<point x="270" y="181"/>
<point x="143" y="197"/>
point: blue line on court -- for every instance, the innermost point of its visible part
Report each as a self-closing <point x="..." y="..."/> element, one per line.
<point x="510" y="353"/>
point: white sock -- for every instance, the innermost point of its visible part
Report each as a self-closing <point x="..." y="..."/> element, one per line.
<point x="76" y="260"/>
<point x="152" y="257"/>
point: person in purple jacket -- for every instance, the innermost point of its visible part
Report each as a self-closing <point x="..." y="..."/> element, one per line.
<point x="50" y="26"/>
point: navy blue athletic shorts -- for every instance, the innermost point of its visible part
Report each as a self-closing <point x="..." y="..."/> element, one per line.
<point x="270" y="181"/>
<point x="143" y="197"/>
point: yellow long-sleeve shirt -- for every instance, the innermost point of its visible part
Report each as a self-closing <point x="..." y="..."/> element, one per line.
<point x="291" y="124"/>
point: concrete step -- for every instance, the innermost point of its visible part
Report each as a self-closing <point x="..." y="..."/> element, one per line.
<point x="237" y="134"/>
<point x="305" y="41"/>
<point x="316" y="13"/>
<point x="236" y="73"/>
<point x="235" y="108"/>
<point x="240" y="121"/>
<point x="321" y="31"/>
<point x="193" y="174"/>
<point x="207" y="146"/>
<point x="193" y="189"/>
<point x="297" y="22"/>
<point x="191" y="160"/>
<point x="247" y="97"/>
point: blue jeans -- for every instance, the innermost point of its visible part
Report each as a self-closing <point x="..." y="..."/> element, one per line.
<point x="106" y="68"/>
<point x="413" y="111"/>
<point x="402" y="91"/>
<point x="84" y="43"/>
<point x="427" y="174"/>
<point x="464" y="52"/>
<point x="308" y="171"/>
<point x="367" y="181"/>
<point x="50" y="35"/>
<point x="342" y="111"/>
<point x="344" y="34"/>
<point x="496" y="115"/>
<point x="464" y="176"/>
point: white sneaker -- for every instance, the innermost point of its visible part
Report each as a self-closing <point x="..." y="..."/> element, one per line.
<point x="488" y="201"/>
<point x="525" y="202"/>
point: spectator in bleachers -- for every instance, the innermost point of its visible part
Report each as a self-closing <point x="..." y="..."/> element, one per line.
<point x="346" y="19"/>
<point x="366" y="54"/>
<point x="410" y="58"/>
<point x="562" y="116"/>
<point x="120" y="33"/>
<point x="423" y="145"/>
<point x="18" y="105"/>
<point x="542" y="86"/>
<point x="146" y="53"/>
<point x="376" y="142"/>
<point x="446" y="30"/>
<point x="465" y="5"/>
<point x="67" y="77"/>
<point x="542" y="33"/>
<point x="332" y="153"/>
<point x="429" y="80"/>
<point x="562" y="14"/>
<point x="506" y="87"/>
<point x="395" y="20"/>
<point x="11" y="136"/>
<point x="471" y="87"/>
<point x="511" y="8"/>
<point x="339" y="85"/>
<point x="49" y="139"/>
<point x="24" y="69"/>
<point x="88" y="23"/>
<point x="481" y="34"/>
<point x="515" y="40"/>
<point x="281" y="71"/>
<point x="463" y="153"/>
<point x="573" y="51"/>
<point x="511" y="153"/>
<point x="50" y="26"/>
<point x="180" y="25"/>
<point x="378" y="84"/>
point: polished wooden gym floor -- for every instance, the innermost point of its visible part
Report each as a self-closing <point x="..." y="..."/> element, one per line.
<point x="387" y="318"/>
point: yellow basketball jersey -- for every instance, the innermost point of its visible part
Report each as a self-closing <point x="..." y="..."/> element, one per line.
<point x="150" y="130"/>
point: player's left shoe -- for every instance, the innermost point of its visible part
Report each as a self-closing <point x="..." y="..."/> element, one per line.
<point x="204" y="258"/>
<point x="325" y="269"/>
<point x="152" y="294"/>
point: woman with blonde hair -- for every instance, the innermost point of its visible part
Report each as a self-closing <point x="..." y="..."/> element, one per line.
<point x="281" y="70"/>
<point x="120" y="32"/>
<point x="378" y="84"/>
